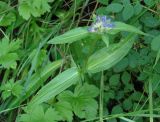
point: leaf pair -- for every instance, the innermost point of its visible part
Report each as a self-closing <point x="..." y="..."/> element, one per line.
<point x="82" y="33"/>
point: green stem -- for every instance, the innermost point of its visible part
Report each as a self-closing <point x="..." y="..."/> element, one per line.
<point x="150" y="101"/>
<point x="101" y="98"/>
<point x="5" y="78"/>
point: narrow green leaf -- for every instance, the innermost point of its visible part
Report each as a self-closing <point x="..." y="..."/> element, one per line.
<point x="57" y="85"/>
<point x="120" y="26"/>
<point x="108" y="57"/>
<point x="70" y="36"/>
<point x="37" y="79"/>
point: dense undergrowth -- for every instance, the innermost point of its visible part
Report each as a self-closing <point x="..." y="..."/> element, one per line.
<point x="80" y="60"/>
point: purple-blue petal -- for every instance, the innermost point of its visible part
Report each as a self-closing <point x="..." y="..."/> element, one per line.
<point x="103" y="19"/>
<point x="108" y="25"/>
<point x="91" y="29"/>
<point x="98" y="19"/>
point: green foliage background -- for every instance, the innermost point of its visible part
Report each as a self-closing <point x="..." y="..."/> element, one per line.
<point x="53" y="69"/>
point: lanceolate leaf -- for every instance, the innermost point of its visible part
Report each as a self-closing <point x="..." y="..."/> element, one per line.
<point x="70" y="36"/>
<point x="120" y="26"/>
<point x="57" y="85"/>
<point x="37" y="80"/>
<point x="108" y="57"/>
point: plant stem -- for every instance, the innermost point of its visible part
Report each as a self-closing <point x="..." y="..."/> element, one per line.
<point x="101" y="98"/>
<point x="150" y="101"/>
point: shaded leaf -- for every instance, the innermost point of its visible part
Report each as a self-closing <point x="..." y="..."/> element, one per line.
<point x="155" y="45"/>
<point x="128" y="12"/>
<point x="114" y="7"/>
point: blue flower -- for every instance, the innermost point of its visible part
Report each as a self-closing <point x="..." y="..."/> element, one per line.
<point x="101" y="24"/>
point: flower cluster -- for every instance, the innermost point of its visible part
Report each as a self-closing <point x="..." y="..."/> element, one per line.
<point x="101" y="24"/>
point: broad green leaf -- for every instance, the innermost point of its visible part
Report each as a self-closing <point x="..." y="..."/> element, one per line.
<point x="127" y="104"/>
<point x="126" y="77"/>
<point x="128" y="12"/>
<point x="137" y="8"/>
<point x="38" y="114"/>
<point x="114" y="80"/>
<point x="117" y="110"/>
<point x="7" y="19"/>
<point x="70" y="36"/>
<point x="9" y="60"/>
<point x="120" y="26"/>
<point x="149" y="2"/>
<point x="105" y="2"/>
<point x="150" y="21"/>
<point x="82" y="100"/>
<point x="8" y="55"/>
<point x="52" y="116"/>
<point x="155" y="45"/>
<point x="108" y="57"/>
<point x="65" y="109"/>
<point x="24" y="10"/>
<point x="136" y="96"/>
<point x="120" y="66"/>
<point x="101" y="11"/>
<point x="36" y="8"/>
<point x="114" y="7"/>
<point x="11" y="88"/>
<point x="56" y="86"/>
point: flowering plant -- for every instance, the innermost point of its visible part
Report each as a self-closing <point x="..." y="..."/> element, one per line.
<point x="101" y="24"/>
